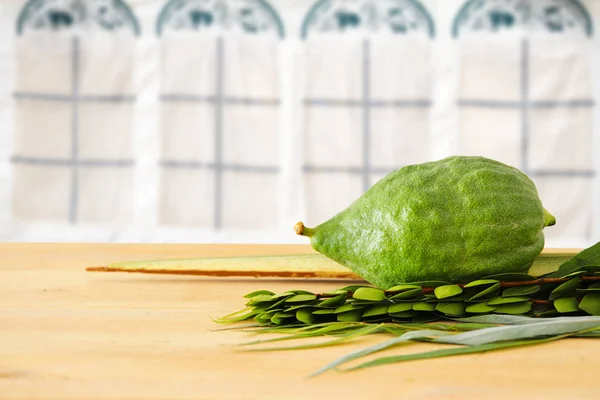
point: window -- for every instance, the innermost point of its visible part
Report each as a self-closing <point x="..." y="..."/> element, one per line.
<point x="367" y="88"/>
<point x="74" y="104"/>
<point x="219" y="114"/>
<point x="525" y="98"/>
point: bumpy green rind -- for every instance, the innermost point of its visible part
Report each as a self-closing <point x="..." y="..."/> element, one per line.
<point x="455" y="220"/>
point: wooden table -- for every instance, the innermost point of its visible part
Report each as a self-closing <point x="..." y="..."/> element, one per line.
<point x="66" y="333"/>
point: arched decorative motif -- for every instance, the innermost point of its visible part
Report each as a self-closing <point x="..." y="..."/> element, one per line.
<point x="554" y="16"/>
<point x="400" y="17"/>
<point x="61" y="15"/>
<point x="255" y="17"/>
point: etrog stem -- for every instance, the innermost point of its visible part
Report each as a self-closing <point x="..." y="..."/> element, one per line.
<point x="302" y="230"/>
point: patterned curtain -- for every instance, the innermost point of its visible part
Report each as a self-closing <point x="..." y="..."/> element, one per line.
<point x="229" y="120"/>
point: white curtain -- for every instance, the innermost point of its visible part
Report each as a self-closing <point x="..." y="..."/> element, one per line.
<point x="229" y="120"/>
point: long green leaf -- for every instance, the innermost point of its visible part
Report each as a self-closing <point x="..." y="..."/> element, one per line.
<point x="451" y="352"/>
<point x="367" y="330"/>
<point x="408" y="336"/>
<point x="587" y="256"/>
<point x="516" y="332"/>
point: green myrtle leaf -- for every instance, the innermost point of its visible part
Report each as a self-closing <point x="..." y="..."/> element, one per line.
<point x="370" y="294"/>
<point x="591" y="303"/>
<point x="350" y="316"/>
<point x="305" y="315"/>
<point x="511" y="277"/>
<point x="445" y="291"/>
<point x="353" y="288"/>
<point x="479" y="308"/>
<point x="403" y="314"/>
<point x="566" y="304"/>
<point x="520" y="290"/>
<point x="260" y="298"/>
<point x="402" y="288"/>
<point x="257" y="292"/>
<point x="348" y="307"/>
<point x="410" y="294"/>
<point x="481" y="282"/>
<point x="282" y="295"/>
<point x="565" y="289"/>
<point x="585" y="257"/>
<point x="506" y="300"/>
<point x="295" y="308"/>
<point x="423" y="306"/>
<point x="574" y="274"/>
<point x="399" y="307"/>
<point x="324" y="311"/>
<point x="377" y="309"/>
<point x="487" y="292"/>
<point x="334" y="301"/>
<point x="589" y="290"/>
<point x="515" y="308"/>
<point x="451" y="308"/>
<point x="301" y="298"/>
<point x="429" y="284"/>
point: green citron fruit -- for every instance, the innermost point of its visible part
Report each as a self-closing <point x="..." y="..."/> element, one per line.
<point x="456" y="220"/>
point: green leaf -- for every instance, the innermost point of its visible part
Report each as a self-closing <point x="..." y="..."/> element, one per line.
<point x="429" y="284"/>
<point x="588" y="290"/>
<point x="422" y="306"/>
<point x="586" y="257"/>
<point x="257" y="292"/>
<point x="511" y="277"/>
<point x="348" y="307"/>
<point x="566" y="304"/>
<point x="404" y="314"/>
<point x="591" y="303"/>
<point x="301" y="298"/>
<point x="481" y="282"/>
<point x="260" y="298"/>
<point x="294" y="308"/>
<point x="282" y="295"/>
<point x="399" y="307"/>
<point x="408" y="336"/>
<point x="350" y="316"/>
<point x="516" y="308"/>
<point x="565" y="289"/>
<point x="402" y="288"/>
<point x="408" y="294"/>
<point x="506" y="300"/>
<point x="526" y="331"/>
<point x="451" y="308"/>
<point x="334" y="301"/>
<point x="499" y="319"/>
<point x="520" y="290"/>
<point x="353" y="288"/>
<point x="442" y="292"/>
<point x="487" y="292"/>
<point x="239" y="318"/>
<point x="324" y="311"/>
<point x="449" y="352"/>
<point x="377" y="309"/>
<point x="305" y="315"/>
<point x="370" y="294"/>
<point x="356" y="332"/>
<point x="479" y="308"/>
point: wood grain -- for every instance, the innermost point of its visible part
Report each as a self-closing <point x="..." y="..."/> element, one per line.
<point x="70" y="334"/>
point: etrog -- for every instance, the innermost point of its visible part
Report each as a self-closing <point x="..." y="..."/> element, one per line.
<point x="456" y="219"/>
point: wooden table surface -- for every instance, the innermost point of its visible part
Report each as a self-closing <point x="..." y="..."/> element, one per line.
<point x="66" y="333"/>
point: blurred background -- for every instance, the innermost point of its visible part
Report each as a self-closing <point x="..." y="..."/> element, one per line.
<point x="230" y="120"/>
